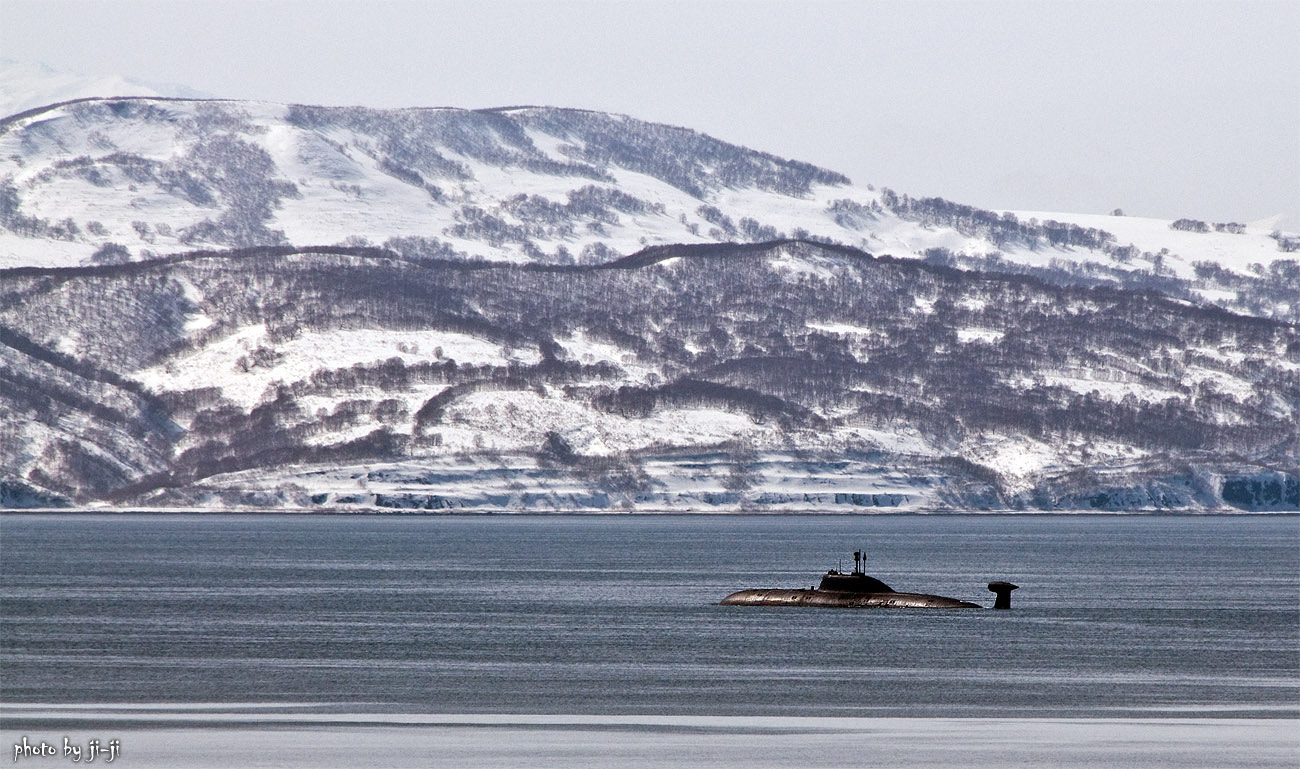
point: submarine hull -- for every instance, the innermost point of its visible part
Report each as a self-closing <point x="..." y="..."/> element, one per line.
<point x="838" y="599"/>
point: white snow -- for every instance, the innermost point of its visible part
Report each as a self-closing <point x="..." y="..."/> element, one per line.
<point x="1082" y="383"/>
<point x="1020" y="461"/>
<point x="788" y="260"/>
<point x="986" y="335"/>
<point x="583" y="348"/>
<point x="1236" y="252"/>
<point x="1236" y="387"/>
<point x="843" y="328"/>
<point x="518" y="420"/>
<point x="218" y="364"/>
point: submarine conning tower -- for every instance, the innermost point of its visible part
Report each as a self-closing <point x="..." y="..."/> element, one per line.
<point x="856" y="581"/>
<point x="853" y="583"/>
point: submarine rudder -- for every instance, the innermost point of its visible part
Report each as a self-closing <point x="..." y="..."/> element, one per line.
<point x="1003" y="592"/>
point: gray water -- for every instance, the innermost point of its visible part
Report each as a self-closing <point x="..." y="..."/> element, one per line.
<point x="1117" y="616"/>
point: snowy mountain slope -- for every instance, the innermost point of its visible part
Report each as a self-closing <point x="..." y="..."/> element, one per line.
<point x="785" y="376"/>
<point x="113" y="180"/>
<point x="1234" y="250"/>
<point x="220" y="303"/>
<point x="26" y="85"/>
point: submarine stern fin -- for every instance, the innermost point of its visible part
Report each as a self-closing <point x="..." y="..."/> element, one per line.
<point x="1003" y="592"/>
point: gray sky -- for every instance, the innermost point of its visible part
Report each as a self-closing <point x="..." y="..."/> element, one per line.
<point x="1165" y="109"/>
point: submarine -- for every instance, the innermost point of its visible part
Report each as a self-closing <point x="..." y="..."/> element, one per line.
<point x="857" y="590"/>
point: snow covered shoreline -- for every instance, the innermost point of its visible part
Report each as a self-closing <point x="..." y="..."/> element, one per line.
<point x="369" y="512"/>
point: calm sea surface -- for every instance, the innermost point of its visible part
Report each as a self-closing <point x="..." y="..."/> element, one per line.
<point x="1123" y="617"/>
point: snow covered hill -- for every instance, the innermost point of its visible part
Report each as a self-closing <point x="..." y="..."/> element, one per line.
<point x="105" y="181"/>
<point x="234" y="304"/>
<point x="789" y="375"/>
<point x="26" y="85"/>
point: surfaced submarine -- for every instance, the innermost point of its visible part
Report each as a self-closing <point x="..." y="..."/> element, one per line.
<point x="857" y="590"/>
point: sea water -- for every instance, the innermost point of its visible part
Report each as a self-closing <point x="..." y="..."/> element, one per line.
<point x="492" y="635"/>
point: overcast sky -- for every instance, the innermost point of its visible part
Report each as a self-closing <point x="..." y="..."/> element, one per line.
<point x="1164" y="109"/>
